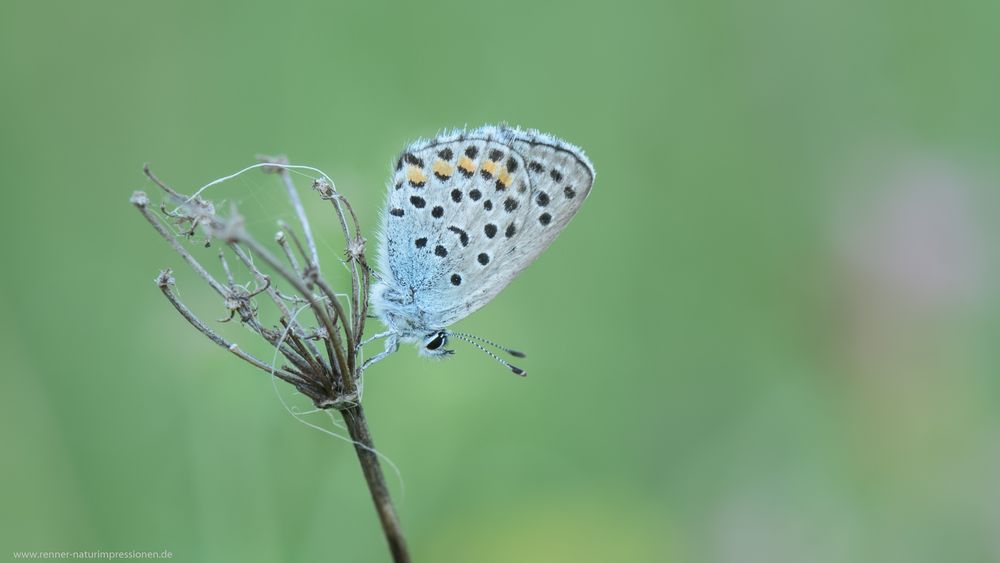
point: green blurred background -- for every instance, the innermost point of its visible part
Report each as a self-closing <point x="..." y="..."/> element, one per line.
<point x="770" y="334"/>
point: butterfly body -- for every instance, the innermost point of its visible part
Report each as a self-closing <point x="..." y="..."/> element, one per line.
<point x="465" y="213"/>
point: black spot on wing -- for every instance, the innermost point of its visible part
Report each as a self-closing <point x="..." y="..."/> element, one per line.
<point x="463" y="237"/>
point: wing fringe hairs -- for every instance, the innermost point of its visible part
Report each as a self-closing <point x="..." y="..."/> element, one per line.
<point x="322" y="357"/>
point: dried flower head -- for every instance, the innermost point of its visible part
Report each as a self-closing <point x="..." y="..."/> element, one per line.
<point x="320" y="358"/>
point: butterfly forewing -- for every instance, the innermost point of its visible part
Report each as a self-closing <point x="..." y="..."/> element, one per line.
<point x="469" y="211"/>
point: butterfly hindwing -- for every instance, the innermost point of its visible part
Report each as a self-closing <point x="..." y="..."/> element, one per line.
<point x="469" y="211"/>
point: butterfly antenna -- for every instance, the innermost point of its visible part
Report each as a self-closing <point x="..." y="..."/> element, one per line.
<point x="509" y="365"/>
<point x="510" y="351"/>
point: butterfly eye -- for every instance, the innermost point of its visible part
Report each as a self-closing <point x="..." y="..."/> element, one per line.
<point x="437" y="342"/>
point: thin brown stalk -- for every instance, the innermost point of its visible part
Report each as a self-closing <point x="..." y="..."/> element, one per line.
<point x="357" y="426"/>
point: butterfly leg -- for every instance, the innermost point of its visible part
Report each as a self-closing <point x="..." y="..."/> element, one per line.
<point x="371" y="339"/>
<point x="391" y="345"/>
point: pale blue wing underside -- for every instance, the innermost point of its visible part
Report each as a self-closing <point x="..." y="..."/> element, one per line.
<point x="468" y="211"/>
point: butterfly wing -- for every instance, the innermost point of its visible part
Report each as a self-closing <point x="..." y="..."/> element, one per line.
<point x="469" y="211"/>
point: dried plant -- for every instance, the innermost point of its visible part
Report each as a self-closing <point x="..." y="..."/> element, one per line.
<point x="322" y="358"/>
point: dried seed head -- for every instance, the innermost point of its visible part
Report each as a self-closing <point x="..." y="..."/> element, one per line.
<point x="356" y="247"/>
<point x="324" y="188"/>
<point x="139" y="198"/>
<point x="165" y="278"/>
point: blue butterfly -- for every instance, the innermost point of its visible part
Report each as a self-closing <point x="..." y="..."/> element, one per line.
<point x="466" y="213"/>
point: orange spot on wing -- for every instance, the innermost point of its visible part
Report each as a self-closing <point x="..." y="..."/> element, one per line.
<point x="465" y="163"/>
<point x="415" y="175"/>
<point x="442" y="168"/>
<point x="504" y="178"/>
<point x="490" y="166"/>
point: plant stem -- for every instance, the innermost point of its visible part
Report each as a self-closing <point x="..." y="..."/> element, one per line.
<point x="354" y="418"/>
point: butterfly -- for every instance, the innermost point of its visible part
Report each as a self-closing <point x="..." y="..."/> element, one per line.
<point x="466" y="212"/>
